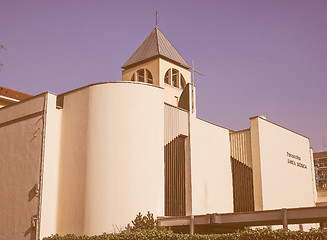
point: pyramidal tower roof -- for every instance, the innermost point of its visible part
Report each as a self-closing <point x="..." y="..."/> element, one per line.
<point x="156" y="44"/>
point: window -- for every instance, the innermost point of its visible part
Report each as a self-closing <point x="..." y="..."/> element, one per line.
<point x="167" y="77"/>
<point x="143" y="75"/>
<point x="149" y="77"/>
<point x="183" y="83"/>
<point x="174" y="78"/>
<point x="140" y="75"/>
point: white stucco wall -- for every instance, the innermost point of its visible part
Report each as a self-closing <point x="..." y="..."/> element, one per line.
<point x="50" y="189"/>
<point x="212" y="188"/>
<point x="152" y="66"/>
<point x="284" y="185"/>
<point x="21" y="131"/>
<point x="171" y="93"/>
<point x="111" y="157"/>
<point x="72" y="165"/>
<point x="125" y="155"/>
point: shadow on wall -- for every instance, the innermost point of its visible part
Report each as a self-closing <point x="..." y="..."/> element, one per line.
<point x="32" y="233"/>
<point x="34" y="192"/>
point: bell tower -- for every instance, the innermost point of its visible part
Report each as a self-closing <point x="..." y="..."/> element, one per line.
<point x="156" y="61"/>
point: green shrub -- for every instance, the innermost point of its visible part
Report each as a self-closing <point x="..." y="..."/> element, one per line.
<point x="247" y="234"/>
<point x="143" y="222"/>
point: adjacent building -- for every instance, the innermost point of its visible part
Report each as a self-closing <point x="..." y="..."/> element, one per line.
<point x="9" y="96"/>
<point x="88" y="160"/>
<point x="320" y="164"/>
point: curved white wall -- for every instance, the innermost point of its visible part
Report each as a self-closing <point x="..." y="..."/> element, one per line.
<point x="124" y="172"/>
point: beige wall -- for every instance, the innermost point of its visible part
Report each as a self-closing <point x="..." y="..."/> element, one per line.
<point x="321" y="197"/>
<point x="176" y="123"/>
<point x="284" y="185"/>
<point x="50" y="188"/>
<point x="158" y="68"/>
<point x="212" y="188"/>
<point x="5" y="101"/>
<point x="240" y="147"/>
<point x="166" y="65"/>
<point x="111" y="158"/>
<point x="256" y="163"/>
<point x="152" y="66"/>
<point x="104" y="159"/>
<point x="125" y="155"/>
<point x="313" y="176"/>
<point x="21" y="130"/>
<point x="73" y="160"/>
<point x="172" y="93"/>
<point x="27" y="107"/>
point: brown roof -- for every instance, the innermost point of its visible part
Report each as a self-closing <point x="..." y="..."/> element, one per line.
<point x="320" y="154"/>
<point x="13" y="94"/>
<point x="156" y="44"/>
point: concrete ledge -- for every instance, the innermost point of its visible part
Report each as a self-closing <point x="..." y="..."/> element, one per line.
<point x="247" y="219"/>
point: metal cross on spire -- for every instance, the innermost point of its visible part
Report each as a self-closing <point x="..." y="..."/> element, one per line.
<point x="193" y="70"/>
<point x="156" y="14"/>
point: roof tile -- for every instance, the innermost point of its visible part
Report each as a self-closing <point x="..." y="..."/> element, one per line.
<point x="320" y="155"/>
<point x="156" y="44"/>
<point x="13" y="94"/>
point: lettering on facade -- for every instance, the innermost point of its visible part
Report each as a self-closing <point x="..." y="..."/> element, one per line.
<point x="294" y="160"/>
<point x="293" y="156"/>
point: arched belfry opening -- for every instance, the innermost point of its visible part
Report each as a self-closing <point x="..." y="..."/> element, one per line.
<point x="174" y="78"/>
<point x="142" y="75"/>
<point x="149" y="78"/>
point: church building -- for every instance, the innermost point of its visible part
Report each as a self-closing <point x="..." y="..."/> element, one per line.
<point x="89" y="160"/>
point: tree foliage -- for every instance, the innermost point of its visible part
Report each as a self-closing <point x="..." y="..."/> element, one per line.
<point x="144" y="222"/>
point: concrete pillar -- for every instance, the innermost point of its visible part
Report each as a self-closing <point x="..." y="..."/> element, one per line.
<point x="192" y="224"/>
<point x="284" y="218"/>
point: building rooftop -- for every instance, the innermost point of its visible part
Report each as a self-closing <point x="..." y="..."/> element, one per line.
<point x="9" y="93"/>
<point x="320" y="155"/>
<point x="156" y="44"/>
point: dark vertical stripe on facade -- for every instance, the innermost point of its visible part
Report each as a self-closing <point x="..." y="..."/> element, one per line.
<point x="175" y="177"/>
<point x="242" y="186"/>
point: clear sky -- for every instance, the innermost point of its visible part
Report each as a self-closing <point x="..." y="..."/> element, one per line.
<point x="260" y="57"/>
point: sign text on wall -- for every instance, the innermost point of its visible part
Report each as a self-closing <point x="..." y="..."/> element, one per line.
<point x="294" y="160"/>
